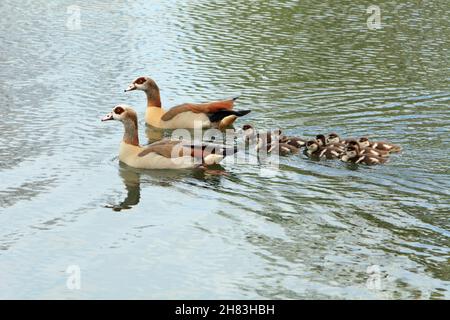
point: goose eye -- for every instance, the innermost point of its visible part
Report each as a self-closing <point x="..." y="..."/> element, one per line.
<point x="118" y="110"/>
<point x="140" y="80"/>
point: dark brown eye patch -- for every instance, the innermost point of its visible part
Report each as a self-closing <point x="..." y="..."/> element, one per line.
<point x="363" y="139"/>
<point x="118" y="110"/>
<point x="140" y="80"/>
<point x="332" y="135"/>
<point x="245" y="127"/>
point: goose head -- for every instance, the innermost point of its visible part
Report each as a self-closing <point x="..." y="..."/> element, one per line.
<point x="321" y="140"/>
<point x="352" y="151"/>
<point x="141" y="83"/>
<point x="128" y="117"/>
<point x="150" y="88"/>
<point x="249" y="132"/>
<point x="248" y="129"/>
<point x="121" y="113"/>
<point x="353" y="143"/>
<point x="277" y="134"/>
<point x="364" y="142"/>
<point x="333" y="138"/>
<point x="312" y="146"/>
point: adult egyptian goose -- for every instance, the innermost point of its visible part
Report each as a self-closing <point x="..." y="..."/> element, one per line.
<point x="164" y="154"/>
<point x="217" y="114"/>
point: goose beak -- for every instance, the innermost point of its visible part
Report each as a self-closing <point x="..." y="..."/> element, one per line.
<point x="108" y="117"/>
<point x="131" y="87"/>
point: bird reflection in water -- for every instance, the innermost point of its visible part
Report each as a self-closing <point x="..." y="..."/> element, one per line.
<point x="133" y="178"/>
<point x="153" y="134"/>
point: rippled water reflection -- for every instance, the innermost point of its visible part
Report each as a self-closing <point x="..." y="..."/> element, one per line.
<point x="308" y="230"/>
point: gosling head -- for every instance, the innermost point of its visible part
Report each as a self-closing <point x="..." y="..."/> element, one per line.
<point x="312" y="146"/>
<point x="248" y="132"/>
<point x="321" y="140"/>
<point x="353" y="143"/>
<point x="333" y="138"/>
<point x="142" y="83"/>
<point x="277" y="134"/>
<point x="248" y="129"/>
<point x="352" y="151"/>
<point x="364" y="142"/>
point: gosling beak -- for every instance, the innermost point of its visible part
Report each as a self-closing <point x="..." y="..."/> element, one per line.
<point x="108" y="117"/>
<point x="131" y="87"/>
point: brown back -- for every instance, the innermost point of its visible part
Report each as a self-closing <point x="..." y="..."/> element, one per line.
<point x="209" y="107"/>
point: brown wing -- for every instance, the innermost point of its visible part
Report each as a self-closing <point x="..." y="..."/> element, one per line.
<point x="209" y="107"/>
<point x="164" y="148"/>
<point x="175" y="148"/>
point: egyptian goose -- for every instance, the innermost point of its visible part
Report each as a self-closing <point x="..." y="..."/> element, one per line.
<point x="315" y="149"/>
<point x="164" y="154"/>
<point x="250" y="134"/>
<point x="261" y="138"/>
<point x="353" y="154"/>
<point x="334" y="138"/>
<point x="322" y="141"/>
<point x="330" y="152"/>
<point x="282" y="148"/>
<point x="216" y="114"/>
<point x="368" y="150"/>
<point x="291" y="140"/>
<point x="312" y="148"/>
<point x="385" y="146"/>
<point x="265" y="139"/>
<point x="272" y="139"/>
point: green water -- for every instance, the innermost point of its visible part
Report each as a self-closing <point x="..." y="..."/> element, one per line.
<point x="308" y="230"/>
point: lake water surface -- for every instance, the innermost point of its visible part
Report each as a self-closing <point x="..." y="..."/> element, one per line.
<point x="308" y="230"/>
